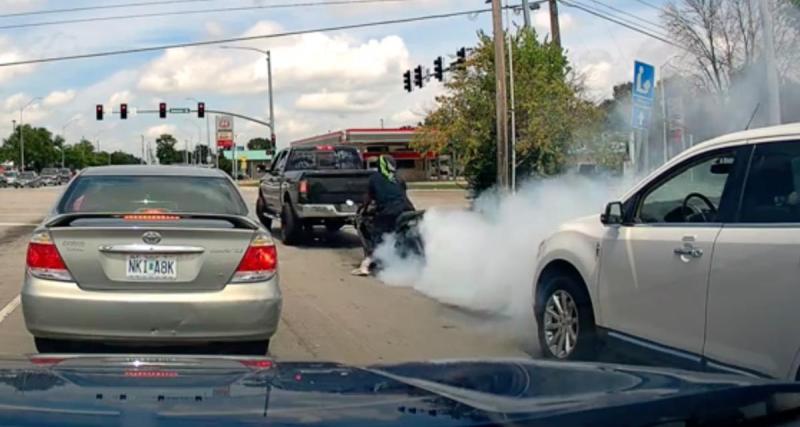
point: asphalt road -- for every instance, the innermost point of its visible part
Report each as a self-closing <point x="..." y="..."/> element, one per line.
<point x="327" y="314"/>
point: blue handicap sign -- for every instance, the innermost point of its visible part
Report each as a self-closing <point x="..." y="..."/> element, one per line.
<point x="644" y="83"/>
<point x="640" y="117"/>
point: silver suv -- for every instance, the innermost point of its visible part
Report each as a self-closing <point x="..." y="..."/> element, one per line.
<point x="698" y="264"/>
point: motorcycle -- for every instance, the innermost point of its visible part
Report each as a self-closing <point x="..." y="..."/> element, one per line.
<point x="408" y="240"/>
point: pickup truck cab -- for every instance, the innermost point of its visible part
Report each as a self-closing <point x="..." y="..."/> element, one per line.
<point x="308" y="186"/>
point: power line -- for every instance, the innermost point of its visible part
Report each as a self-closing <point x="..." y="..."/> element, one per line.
<point x="649" y="4"/>
<point x="107" y="6"/>
<point x="194" y="12"/>
<point x="634" y="16"/>
<point x="640" y="30"/>
<point x="628" y="21"/>
<point x="243" y="39"/>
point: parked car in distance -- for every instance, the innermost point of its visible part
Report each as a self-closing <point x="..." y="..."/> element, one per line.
<point x="28" y="179"/>
<point x="312" y="185"/>
<point x="10" y="178"/>
<point x="49" y="176"/>
<point x="64" y="175"/>
<point x="696" y="265"/>
<point x="151" y="256"/>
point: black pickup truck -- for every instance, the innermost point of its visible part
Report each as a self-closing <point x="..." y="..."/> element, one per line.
<point x="308" y="186"/>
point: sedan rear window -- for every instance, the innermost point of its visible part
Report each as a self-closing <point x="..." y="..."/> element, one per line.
<point x="127" y="194"/>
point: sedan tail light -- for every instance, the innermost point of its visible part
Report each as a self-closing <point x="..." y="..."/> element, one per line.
<point x="43" y="259"/>
<point x="260" y="261"/>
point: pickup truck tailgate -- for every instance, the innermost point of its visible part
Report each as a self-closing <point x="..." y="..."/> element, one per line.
<point x="336" y="187"/>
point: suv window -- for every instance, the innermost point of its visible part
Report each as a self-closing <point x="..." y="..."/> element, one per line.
<point x="691" y="195"/>
<point x="771" y="191"/>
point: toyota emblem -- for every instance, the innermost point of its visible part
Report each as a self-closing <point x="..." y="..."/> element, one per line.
<point x="151" y="238"/>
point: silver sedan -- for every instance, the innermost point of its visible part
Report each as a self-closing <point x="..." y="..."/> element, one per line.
<point x="151" y="255"/>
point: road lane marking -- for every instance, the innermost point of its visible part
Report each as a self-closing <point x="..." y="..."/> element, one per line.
<point x="9" y="308"/>
<point x="18" y="224"/>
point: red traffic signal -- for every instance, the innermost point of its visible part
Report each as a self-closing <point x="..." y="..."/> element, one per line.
<point x="123" y="111"/>
<point x="201" y="109"/>
<point x="162" y="110"/>
<point x="99" y="112"/>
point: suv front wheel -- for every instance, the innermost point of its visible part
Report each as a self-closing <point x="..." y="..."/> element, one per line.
<point x="565" y="319"/>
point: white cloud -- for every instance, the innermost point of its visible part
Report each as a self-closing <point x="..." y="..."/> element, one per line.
<point x="121" y="97"/>
<point x="156" y="131"/>
<point x="10" y="53"/>
<point x="58" y="97"/>
<point x="339" y="102"/>
<point x="406" y="118"/>
<point x="541" y="21"/>
<point x="307" y="62"/>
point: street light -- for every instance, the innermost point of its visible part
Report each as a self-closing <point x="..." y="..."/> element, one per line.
<point x="21" y="137"/>
<point x="64" y="137"/>
<point x="268" y="54"/>
<point x="665" y="132"/>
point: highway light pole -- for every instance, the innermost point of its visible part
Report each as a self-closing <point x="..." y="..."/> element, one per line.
<point x="21" y="137"/>
<point x="773" y="90"/>
<point x="208" y="129"/>
<point x="268" y="55"/>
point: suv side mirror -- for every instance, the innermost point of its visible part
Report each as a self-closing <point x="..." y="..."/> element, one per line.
<point x="613" y="214"/>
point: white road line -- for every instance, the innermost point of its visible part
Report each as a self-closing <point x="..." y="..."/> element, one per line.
<point x="9" y="308"/>
<point x="18" y="224"/>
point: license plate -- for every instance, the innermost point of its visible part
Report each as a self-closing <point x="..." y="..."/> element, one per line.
<point x="152" y="267"/>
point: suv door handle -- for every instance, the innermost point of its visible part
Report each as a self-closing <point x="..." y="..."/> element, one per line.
<point x="688" y="250"/>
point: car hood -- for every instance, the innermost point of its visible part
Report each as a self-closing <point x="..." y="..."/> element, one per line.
<point x="184" y="390"/>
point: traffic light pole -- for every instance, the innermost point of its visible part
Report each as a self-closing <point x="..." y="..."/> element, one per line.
<point x="271" y="102"/>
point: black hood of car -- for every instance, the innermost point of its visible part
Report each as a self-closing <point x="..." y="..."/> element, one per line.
<point x="188" y="391"/>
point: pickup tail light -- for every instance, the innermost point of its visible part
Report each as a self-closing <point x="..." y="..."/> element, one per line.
<point x="257" y="364"/>
<point x="260" y="261"/>
<point x="43" y="259"/>
<point x="303" y="187"/>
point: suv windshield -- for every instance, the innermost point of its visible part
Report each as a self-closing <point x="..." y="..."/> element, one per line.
<point x="11" y="174"/>
<point x="49" y="171"/>
<point x="27" y="175"/>
<point x="125" y="194"/>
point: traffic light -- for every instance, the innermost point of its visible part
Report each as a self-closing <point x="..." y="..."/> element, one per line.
<point x="407" y="81"/>
<point x="123" y="111"/>
<point x="418" y="76"/>
<point x="201" y="110"/>
<point x="461" y="56"/>
<point x="99" y="112"/>
<point x="438" y="69"/>
<point x="162" y="110"/>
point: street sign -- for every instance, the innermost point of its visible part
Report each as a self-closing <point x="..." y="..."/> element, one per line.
<point x="644" y="83"/>
<point x="640" y="117"/>
<point x="180" y="110"/>
<point x="224" y="132"/>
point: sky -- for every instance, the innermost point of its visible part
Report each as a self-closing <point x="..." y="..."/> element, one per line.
<point x="322" y="81"/>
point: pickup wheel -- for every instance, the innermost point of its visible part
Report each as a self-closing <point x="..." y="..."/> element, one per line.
<point x="291" y="229"/>
<point x="565" y="320"/>
<point x="265" y="220"/>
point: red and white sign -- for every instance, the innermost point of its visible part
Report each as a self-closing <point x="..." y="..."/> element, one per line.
<point x="224" y="132"/>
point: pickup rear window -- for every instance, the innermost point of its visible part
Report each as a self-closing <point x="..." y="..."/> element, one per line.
<point x="124" y="194"/>
<point x="314" y="158"/>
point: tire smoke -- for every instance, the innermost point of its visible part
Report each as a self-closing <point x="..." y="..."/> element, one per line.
<point x="483" y="260"/>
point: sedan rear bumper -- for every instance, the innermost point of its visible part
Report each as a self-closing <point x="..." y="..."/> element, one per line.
<point x="240" y="312"/>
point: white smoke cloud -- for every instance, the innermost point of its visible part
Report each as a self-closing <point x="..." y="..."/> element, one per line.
<point x="483" y="260"/>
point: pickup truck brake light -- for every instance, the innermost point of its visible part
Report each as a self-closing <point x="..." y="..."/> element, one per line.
<point x="324" y="147"/>
<point x="303" y="187"/>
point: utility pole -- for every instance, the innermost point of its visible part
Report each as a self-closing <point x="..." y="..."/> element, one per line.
<point x="526" y="14"/>
<point x="142" y="149"/>
<point x="271" y="102"/>
<point x="555" y="28"/>
<point x="186" y="151"/>
<point x="513" y="147"/>
<point x="501" y="105"/>
<point x="773" y="91"/>
<point x="13" y="126"/>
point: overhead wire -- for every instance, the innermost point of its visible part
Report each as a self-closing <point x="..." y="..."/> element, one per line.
<point x="634" y="16"/>
<point x="632" y="27"/>
<point x="194" y="12"/>
<point x="628" y="21"/>
<point x="244" y="39"/>
<point x="101" y="7"/>
<point x="648" y="4"/>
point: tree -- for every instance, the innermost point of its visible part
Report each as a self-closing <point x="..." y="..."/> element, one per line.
<point x="123" y="158"/>
<point x="724" y="37"/>
<point x="549" y="109"/>
<point x="40" y="148"/>
<point x="259" y="144"/>
<point x="165" y="150"/>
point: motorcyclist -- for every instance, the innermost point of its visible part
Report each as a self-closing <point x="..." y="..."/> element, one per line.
<point x="388" y="192"/>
